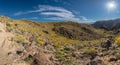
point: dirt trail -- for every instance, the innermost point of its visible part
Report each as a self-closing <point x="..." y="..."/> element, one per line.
<point x="8" y="48"/>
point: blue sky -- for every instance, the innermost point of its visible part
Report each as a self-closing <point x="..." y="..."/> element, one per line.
<point x="59" y="10"/>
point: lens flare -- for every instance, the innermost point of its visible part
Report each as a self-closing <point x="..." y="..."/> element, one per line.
<point x="111" y="5"/>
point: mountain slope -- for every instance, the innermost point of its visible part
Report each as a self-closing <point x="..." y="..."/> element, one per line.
<point x="77" y="31"/>
<point x="59" y="43"/>
<point x="108" y="24"/>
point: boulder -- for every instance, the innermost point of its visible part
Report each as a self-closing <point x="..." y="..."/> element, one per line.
<point x="41" y="59"/>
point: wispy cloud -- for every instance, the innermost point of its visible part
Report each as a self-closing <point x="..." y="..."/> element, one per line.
<point x="64" y="19"/>
<point x="42" y="8"/>
<point x="59" y="13"/>
<point x="32" y="18"/>
<point x="84" y="19"/>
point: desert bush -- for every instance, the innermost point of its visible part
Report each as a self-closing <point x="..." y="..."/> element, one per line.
<point x="60" y="55"/>
<point x="40" y="42"/>
<point x="90" y="51"/>
<point x="28" y="59"/>
<point x="8" y="24"/>
<point x="57" y="44"/>
<point x="79" y="46"/>
<point x="117" y="56"/>
<point x="20" y="39"/>
<point x="117" y="41"/>
<point x="16" y="24"/>
<point x="68" y="62"/>
<point x="68" y="50"/>
<point x="116" y="53"/>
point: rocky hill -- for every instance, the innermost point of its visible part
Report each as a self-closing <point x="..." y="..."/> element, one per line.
<point x="56" y="43"/>
<point x="108" y="24"/>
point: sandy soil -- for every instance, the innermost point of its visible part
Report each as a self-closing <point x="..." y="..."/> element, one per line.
<point x="7" y="48"/>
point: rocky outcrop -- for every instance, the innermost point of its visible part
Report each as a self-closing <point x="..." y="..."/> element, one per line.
<point x="38" y="57"/>
<point x="41" y="59"/>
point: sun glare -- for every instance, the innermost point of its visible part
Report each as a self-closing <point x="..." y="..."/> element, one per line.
<point x="111" y="5"/>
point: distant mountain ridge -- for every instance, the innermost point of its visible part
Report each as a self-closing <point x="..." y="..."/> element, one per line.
<point x="108" y="24"/>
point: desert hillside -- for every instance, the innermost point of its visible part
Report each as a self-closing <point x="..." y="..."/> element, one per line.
<point x="56" y="43"/>
<point x="108" y="24"/>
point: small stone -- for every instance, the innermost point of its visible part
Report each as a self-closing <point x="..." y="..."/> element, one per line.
<point x="113" y="59"/>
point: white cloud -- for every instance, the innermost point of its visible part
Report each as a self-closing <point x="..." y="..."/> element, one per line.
<point x="42" y="8"/>
<point x="59" y="14"/>
<point x="54" y="8"/>
<point x="18" y="13"/>
<point x="21" y="13"/>
<point x="47" y="10"/>
<point x="83" y="18"/>
<point x="64" y="19"/>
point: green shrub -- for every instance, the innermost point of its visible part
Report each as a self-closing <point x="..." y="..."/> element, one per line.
<point x="8" y="24"/>
<point x="68" y="62"/>
<point x="90" y="51"/>
<point x="20" y="39"/>
<point x="117" y="56"/>
<point x="28" y="59"/>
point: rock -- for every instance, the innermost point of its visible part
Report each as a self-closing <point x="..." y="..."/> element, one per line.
<point x="106" y="44"/>
<point x="113" y="59"/>
<point x="19" y="52"/>
<point x="96" y="62"/>
<point x="46" y="32"/>
<point x="41" y="59"/>
<point x="9" y="53"/>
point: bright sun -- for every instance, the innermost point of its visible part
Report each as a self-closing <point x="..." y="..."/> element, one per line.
<point x="111" y="5"/>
